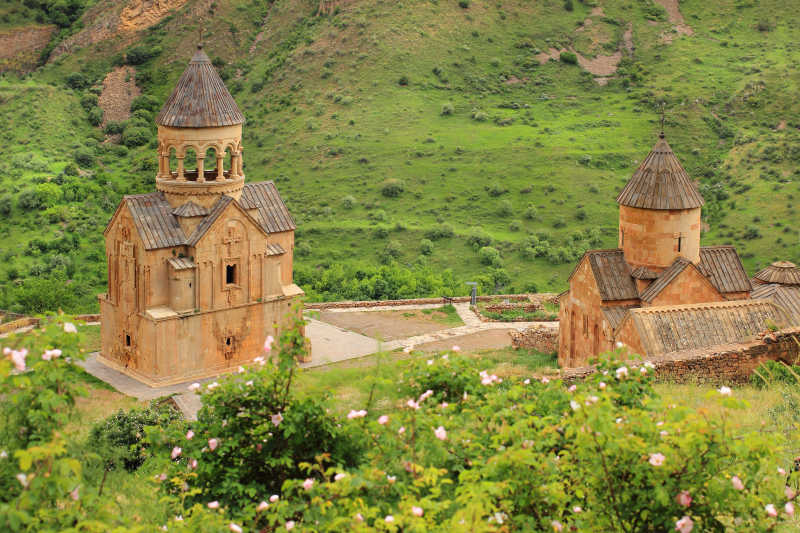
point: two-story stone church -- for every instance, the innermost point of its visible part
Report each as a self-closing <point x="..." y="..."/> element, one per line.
<point x="660" y="291"/>
<point x="200" y="271"/>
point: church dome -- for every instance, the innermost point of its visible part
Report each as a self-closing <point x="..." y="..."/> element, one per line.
<point x="781" y="272"/>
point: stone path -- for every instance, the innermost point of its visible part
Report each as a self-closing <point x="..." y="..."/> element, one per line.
<point x="329" y="344"/>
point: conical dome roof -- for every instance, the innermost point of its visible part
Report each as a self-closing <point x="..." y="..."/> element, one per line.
<point x="660" y="182"/>
<point x="200" y="99"/>
<point x="782" y="272"/>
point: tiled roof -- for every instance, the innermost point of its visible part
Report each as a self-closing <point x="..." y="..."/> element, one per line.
<point x="272" y="213"/>
<point x="275" y="249"/>
<point x="724" y="269"/>
<point x="666" y="277"/>
<point x="612" y="274"/>
<point x="782" y="272"/>
<point x="643" y="273"/>
<point x="787" y="297"/>
<point x="615" y="313"/>
<point x="200" y="98"/>
<point x="190" y="209"/>
<point x="671" y="328"/>
<point x="181" y="263"/>
<point x="660" y="182"/>
<point x="213" y="215"/>
<point x="152" y="216"/>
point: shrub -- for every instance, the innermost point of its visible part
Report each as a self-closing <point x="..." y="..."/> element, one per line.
<point x="78" y="81"/>
<point x="403" y="81"/>
<point x="89" y="101"/>
<point x="497" y="189"/>
<point x="141" y="54"/>
<point x="302" y="249"/>
<point x="447" y="109"/>
<point x="392" y="188"/>
<point x="580" y="214"/>
<point x="752" y="232"/>
<point x="6" y="204"/>
<point x="442" y="231"/>
<point x="489" y="256"/>
<point x="569" y="58"/>
<point x="134" y="136"/>
<point x="770" y="373"/>
<point x="505" y="208"/>
<point x="425" y="245"/>
<point x="71" y="169"/>
<point x="120" y="437"/>
<point x="449" y="378"/>
<point x="464" y="4"/>
<point x="114" y="128"/>
<point x="84" y="157"/>
<point x="530" y="213"/>
<point x="559" y="222"/>
<point x="392" y="250"/>
<point x="479" y="116"/>
<point x="515" y="225"/>
<point x="348" y="202"/>
<point x="149" y="104"/>
<point x="568" y="5"/>
<point x="477" y="237"/>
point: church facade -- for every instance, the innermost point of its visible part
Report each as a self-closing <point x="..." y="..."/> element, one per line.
<point x="660" y="290"/>
<point x="200" y="271"/>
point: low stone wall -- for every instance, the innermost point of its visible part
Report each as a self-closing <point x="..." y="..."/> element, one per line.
<point x="540" y="338"/>
<point x="527" y="307"/>
<point x="418" y="301"/>
<point x="727" y="363"/>
<point x="20" y="323"/>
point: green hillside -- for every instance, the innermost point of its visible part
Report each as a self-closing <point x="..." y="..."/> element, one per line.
<point x="388" y="123"/>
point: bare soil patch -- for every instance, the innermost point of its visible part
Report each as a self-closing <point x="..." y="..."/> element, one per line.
<point x="490" y="339"/>
<point x="676" y="18"/>
<point x="119" y="90"/>
<point x="20" y="47"/>
<point x="141" y="14"/>
<point x="387" y="325"/>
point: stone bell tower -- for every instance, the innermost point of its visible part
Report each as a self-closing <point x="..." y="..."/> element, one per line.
<point x="202" y="116"/>
<point x="659" y="212"/>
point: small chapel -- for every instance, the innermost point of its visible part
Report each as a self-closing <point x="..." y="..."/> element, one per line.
<point x="199" y="271"/>
<point x="660" y="291"/>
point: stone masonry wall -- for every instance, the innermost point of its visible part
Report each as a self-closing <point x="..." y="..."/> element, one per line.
<point x="728" y="363"/>
<point x="425" y="301"/>
<point x="543" y="339"/>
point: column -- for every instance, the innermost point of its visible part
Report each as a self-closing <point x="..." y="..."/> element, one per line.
<point x="181" y="177"/>
<point x="220" y="170"/>
<point x="201" y="177"/>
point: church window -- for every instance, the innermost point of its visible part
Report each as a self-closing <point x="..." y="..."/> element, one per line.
<point x="230" y="274"/>
<point x="585" y="326"/>
<point x="228" y="341"/>
<point x="680" y="242"/>
<point x="622" y="237"/>
<point x="127" y="340"/>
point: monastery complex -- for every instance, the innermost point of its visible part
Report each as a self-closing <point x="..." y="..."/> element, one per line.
<point x="200" y="271"/>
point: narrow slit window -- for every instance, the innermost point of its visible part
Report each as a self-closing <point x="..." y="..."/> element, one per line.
<point x="228" y="341"/>
<point x="127" y="340"/>
<point x="230" y="274"/>
<point x="680" y="242"/>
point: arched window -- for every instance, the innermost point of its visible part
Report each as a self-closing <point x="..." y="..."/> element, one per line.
<point x="596" y="339"/>
<point x="190" y="164"/>
<point x="173" y="162"/>
<point x="210" y="163"/>
<point x="573" y="327"/>
<point x="226" y="161"/>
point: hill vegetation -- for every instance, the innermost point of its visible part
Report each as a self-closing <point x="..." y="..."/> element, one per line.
<point x="443" y="141"/>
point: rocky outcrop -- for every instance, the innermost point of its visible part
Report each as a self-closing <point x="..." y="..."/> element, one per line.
<point x="20" y="47"/>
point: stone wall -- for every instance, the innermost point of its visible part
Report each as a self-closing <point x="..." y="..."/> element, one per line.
<point x="728" y="363"/>
<point x="430" y="301"/>
<point x="543" y="339"/>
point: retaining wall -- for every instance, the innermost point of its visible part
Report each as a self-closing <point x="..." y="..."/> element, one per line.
<point x="543" y="339"/>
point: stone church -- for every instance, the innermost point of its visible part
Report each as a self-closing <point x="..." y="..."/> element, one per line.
<point x="200" y="271"/>
<point x="660" y="291"/>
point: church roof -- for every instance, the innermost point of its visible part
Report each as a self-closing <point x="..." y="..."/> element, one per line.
<point x="153" y="218"/>
<point x="612" y="274"/>
<point x="213" y="215"/>
<point x="644" y="273"/>
<point x="666" y="277"/>
<point x="723" y="268"/>
<point x="272" y="213"/>
<point x="664" y="329"/>
<point x="190" y="209"/>
<point x="782" y="272"/>
<point x="615" y="313"/>
<point x="660" y="182"/>
<point x="200" y="98"/>
<point x="787" y="297"/>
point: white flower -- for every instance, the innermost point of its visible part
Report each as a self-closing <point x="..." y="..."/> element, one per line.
<point x="771" y="511"/>
<point x="556" y="525"/>
<point x="3" y="454"/>
<point x="194" y="387"/>
<point x="289" y="525"/>
<point x="23" y="479"/>
<point x="69" y="327"/>
<point x="274" y="498"/>
<point x="408" y="349"/>
<point x="648" y="364"/>
<point x="725" y="391"/>
<point x="389" y="519"/>
<point x="440" y="433"/>
<point x="619" y="345"/>
<point x="212" y="386"/>
<point x="51" y="354"/>
<point x="262" y="507"/>
<point x="391" y="479"/>
<point x="241" y="371"/>
<point x="456" y="349"/>
<point x="684" y="525"/>
<point x="526" y="382"/>
<point x="781" y="471"/>
<point x="656" y="459"/>
<point x="213" y="505"/>
<point x="340" y="476"/>
<point x="249" y="383"/>
<point x="233" y="527"/>
<point x="622" y="372"/>
<point x="430" y="362"/>
<point x="601" y="385"/>
<point x="356" y="414"/>
<point x="383" y="419"/>
<point x="575" y="405"/>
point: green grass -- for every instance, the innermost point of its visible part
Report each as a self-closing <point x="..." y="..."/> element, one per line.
<point x="446" y="315"/>
<point x="327" y="119"/>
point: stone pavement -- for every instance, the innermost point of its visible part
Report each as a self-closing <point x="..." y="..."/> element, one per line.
<point x="329" y="344"/>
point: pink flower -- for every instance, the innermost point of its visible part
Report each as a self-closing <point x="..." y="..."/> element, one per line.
<point x="176" y="452"/>
<point x="383" y="419"/>
<point x="684" y="525"/>
<point x="212" y="386"/>
<point x="233" y="527"/>
<point x="340" y="476"/>
<point x="557" y="526"/>
<point x="737" y="483"/>
<point x="456" y="349"/>
<point x="356" y="414"/>
<point x="189" y="434"/>
<point x="359" y="517"/>
<point x="771" y="511"/>
<point x="274" y="498"/>
<point x="308" y="483"/>
<point x="789" y="508"/>
<point x="430" y="362"/>
<point x="18" y="358"/>
<point x="289" y="525"/>
<point x="192" y="464"/>
<point x="575" y="405"/>
<point x="416" y="511"/>
<point x="725" y="391"/>
<point x="389" y="519"/>
<point x="241" y="370"/>
<point x="425" y="395"/>
<point x="51" y="354"/>
<point x="262" y="507"/>
<point x="249" y="383"/>
<point x="622" y="372"/>
<point x="194" y="387"/>
<point x="790" y="493"/>
<point x="440" y="433"/>
<point x="213" y="505"/>
<point x="412" y="404"/>
<point x="268" y="343"/>
<point x="572" y="388"/>
<point x="684" y="499"/>
<point x="162" y="477"/>
<point x="276" y="419"/>
<point x="545" y="380"/>
<point x="781" y="471"/>
<point x="212" y="444"/>
<point x="69" y="327"/>
<point x="577" y="509"/>
<point x="408" y="349"/>
<point x="401" y="430"/>
<point x="602" y="385"/>
<point x="75" y="494"/>
<point x="656" y="459"/>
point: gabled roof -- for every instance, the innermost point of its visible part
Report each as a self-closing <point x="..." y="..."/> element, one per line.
<point x="787" y="297"/>
<point x="664" y="329"/>
<point x="643" y="273"/>
<point x="274" y="249"/>
<point x="152" y="216"/>
<point x="190" y="209"/>
<point x="660" y="182"/>
<point x="181" y="263"/>
<point x="724" y="269"/>
<point x="615" y="313"/>
<point x="272" y="213"/>
<point x="200" y="98"/>
<point x="666" y="277"/>
<point x="216" y="210"/>
<point x="782" y="272"/>
<point x="612" y="274"/>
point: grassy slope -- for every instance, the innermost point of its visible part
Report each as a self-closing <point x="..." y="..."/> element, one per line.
<point x="327" y="119"/>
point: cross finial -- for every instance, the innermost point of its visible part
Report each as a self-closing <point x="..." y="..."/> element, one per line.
<point x="663" y="108"/>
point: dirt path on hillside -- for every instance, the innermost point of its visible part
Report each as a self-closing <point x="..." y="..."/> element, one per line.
<point x="491" y="339"/>
<point x="676" y="18"/>
<point x="385" y="325"/>
<point x="119" y="90"/>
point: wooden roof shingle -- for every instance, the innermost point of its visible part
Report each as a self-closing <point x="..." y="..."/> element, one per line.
<point x="153" y="218"/>
<point x="783" y="272"/>
<point x="213" y="214"/>
<point x="660" y="182"/>
<point x="615" y="313"/>
<point x="273" y="215"/>
<point x="200" y="98"/>
<point x="666" y="329"/>
<point x="190" y="209"/>
<point x="787" y="297"/>
<point x="723" y="268"/>
<point x="612" y="274"/>
<point x="666" y="277"/>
